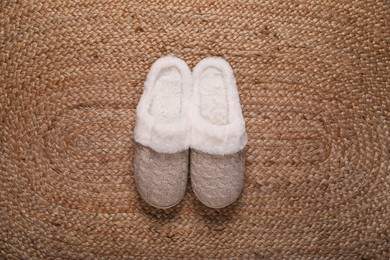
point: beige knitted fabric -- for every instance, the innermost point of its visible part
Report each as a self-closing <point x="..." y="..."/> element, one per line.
<point x="314" y="84"/>
<point x="160" y="178"/>
<point x="217" y="180"/>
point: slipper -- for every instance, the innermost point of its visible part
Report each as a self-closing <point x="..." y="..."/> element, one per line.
<point x="162" y="133"/>
<point x="218" y="136"/>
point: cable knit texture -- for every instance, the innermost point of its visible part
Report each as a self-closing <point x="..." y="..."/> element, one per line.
<point x="217" y="180"/>
<point x="217" y="134"/>
<point x="161" y="178"/>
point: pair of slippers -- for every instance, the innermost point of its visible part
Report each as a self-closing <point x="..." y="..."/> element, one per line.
<point x="189" y="122"/>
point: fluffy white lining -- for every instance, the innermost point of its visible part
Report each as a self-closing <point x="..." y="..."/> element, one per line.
<point x="163" y="112"/>
<point x="211" y="132"/>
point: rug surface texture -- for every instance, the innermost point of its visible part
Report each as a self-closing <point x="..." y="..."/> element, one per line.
<point x="314" y="83"/>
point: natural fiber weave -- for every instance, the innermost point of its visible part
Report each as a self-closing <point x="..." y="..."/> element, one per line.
<point x="313" y="78"/>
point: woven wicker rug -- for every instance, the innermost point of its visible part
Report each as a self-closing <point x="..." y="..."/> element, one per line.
<point x="314" y="83"/>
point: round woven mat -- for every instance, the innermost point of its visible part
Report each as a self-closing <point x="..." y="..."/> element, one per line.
<point x="313" y="78"/>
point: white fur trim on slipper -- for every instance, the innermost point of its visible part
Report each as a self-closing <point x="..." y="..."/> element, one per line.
<point x="218" y="126"/>
<point x="162" y="121"/>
